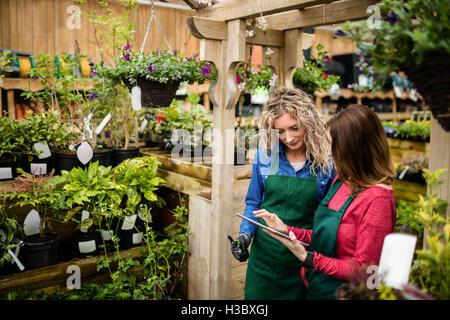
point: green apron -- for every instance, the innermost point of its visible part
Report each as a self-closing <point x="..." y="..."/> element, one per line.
<point x="273" y="272"/>
<point x="323" y="240"/>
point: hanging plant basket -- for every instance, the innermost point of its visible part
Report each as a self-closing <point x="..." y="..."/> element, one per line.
<point x="155" y="94"/>
<point x="432" y="80"/>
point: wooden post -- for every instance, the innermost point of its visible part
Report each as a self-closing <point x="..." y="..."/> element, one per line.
<point x="11" y="104"/>
<point x="292" y="56"/>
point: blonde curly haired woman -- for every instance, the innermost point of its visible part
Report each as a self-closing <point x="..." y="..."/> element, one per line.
<point x="291" y="174"/>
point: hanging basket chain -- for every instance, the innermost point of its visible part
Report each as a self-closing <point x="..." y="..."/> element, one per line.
<point x="153" y="16"/>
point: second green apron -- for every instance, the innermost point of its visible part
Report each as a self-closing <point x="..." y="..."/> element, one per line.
<point x="273" y="272"/>
<point x="323" y="241"/>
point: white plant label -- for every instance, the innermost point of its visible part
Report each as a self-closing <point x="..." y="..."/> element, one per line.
<point x="396" y="259"/>
<point x="87" y="125"/>
<point x="84" y="216"/>
<point x="17" y="261"/>
<point x="398" y="91"/>
<point x="107" y="234"/>
<point x="31" y="223"/>
<point x="128" y="222"/>
<point x="413" y="95"/>
<point x="38" y="168"/>
<point x="402" y="174"/>
<point x="87" y="246"/>
<point x="102" y="124"/>
<point x="85" y="152"/>
<point x="43" y="149"/>
<point x="136" y="98"/>
<point x="143" y="125"/>
<point x="6" y="173"/>
<point x="137" y="238"/>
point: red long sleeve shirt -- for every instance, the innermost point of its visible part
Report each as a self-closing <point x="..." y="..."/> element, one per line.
<point x="367" y="220"/>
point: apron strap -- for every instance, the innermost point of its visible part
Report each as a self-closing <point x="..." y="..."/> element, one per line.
<point x="334" y="188"/>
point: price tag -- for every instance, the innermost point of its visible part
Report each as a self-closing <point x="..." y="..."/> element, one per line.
<point x="6" y="173"/>
<point x="128" y="222"/>
<point x="31" y="223"/>
<point x="136" y="98"/>
<point x="85" y="152"/>
<point x="42" y="149"/>
<point x="143" y="125"/>
<point x="396" y="259"/>
<point x="102" y="124"/>
<point x="87" y="246"/>
<point x="38" y="168"/>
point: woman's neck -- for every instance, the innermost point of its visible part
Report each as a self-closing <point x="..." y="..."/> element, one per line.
<point x="296" y="156"/>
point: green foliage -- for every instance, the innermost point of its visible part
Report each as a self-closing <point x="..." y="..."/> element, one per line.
<point x="431" y="269"/>
<point x="10" y="235"/>
<point x="40" y="192"/>
<point x="139" y="175"/>
<point x="6" y="61"/>
<point x="179" y="117"/>
<point x="312" y="76"/>
<point x="409" y="32"/>
<point x="12" y="138"/>
<point x="249" y="79"/>
<point x="159" y="66"/>
<point x="408" y="130"/>
<point x="407" y="215"/>
<point x="89" y="188"/>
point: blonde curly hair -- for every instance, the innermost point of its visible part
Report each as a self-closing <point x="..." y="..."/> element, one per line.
<point x="300" y="106"/>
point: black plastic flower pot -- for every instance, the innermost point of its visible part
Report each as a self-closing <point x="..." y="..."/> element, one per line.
<point x="38" y="166"/>
<point x="8" y="167"/>
<point x="119" y="155"/>
<point x="68" y="161"/>
<point x="40" y="252"/>
<point x="86" y="243"/>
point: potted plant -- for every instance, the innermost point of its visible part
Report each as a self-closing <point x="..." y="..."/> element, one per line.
<point x="411" y="169"/>
<point x="11" y="233"/>
<point x="158" y="73"/>
<point x="10" y="148"/>
<point x="411" y="36"/>
<point x="139" y="175"/>
<point x="313" y="77"/>
<point x="40" y="193"/>
<point x="89" y="190"/>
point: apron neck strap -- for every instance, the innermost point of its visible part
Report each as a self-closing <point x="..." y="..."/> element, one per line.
<point x="334" y="188"/>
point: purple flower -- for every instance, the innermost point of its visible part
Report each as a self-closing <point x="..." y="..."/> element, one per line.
<point x="127" y="47"/>
<point x="339" y="33"/>
<point x="91" y="64"/>
<point x="93" y="73"/>
<point x="127" y="57"/>
<point x="93" y="95"/>
<point x="392" y="18"/>
<point x="150" y="68"/>
<point x="327" y="58"/>
<point x="206" y="70"/>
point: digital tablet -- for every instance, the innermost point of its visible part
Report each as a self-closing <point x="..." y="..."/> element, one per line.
<point x="269" y="229"/>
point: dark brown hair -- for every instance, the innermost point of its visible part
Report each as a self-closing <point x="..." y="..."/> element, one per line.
<point x="360" y="149"/>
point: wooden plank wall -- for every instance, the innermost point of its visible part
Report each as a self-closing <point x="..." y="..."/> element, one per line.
<point x="40" y="26"/>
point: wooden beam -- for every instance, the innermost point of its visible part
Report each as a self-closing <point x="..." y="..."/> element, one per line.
<point x="238" y="9"/>
<point x="293" y="55"/>
<point x="205" y="28"/>
<point x="336" y="12"/>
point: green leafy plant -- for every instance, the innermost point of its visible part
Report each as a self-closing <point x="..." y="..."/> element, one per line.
<point x="159" y="66"/>
<point x="312" y="77"/>
<point x="407" y="216"/>
<point x="40" y="192"/>
<point x="409" y="32"/>
<point x="249" y="79"/>
<point x="431" y="269"/>
<point x="11" y="233"/>
<point x="12" y="138"/>
<point x="6" y="62"/>
<point x="139" y="175"/>
<point x="89" y="188"/>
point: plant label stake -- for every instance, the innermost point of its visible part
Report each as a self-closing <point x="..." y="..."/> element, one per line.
<point x="85" y="152"/>
<point x="43" y="149"/>
<point x="143" y="125"/>
<point x="402" y="174"/>
<point x="102" y="124"/>
<point x="128" y="222"/>
<point x="84" y="216"/>
<point x="38" y="168"/>
<point x="396" y="259"/>
<point x="31" y="223"/>
<point x="17" y="261"/>
<point x="136" y="98"/>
